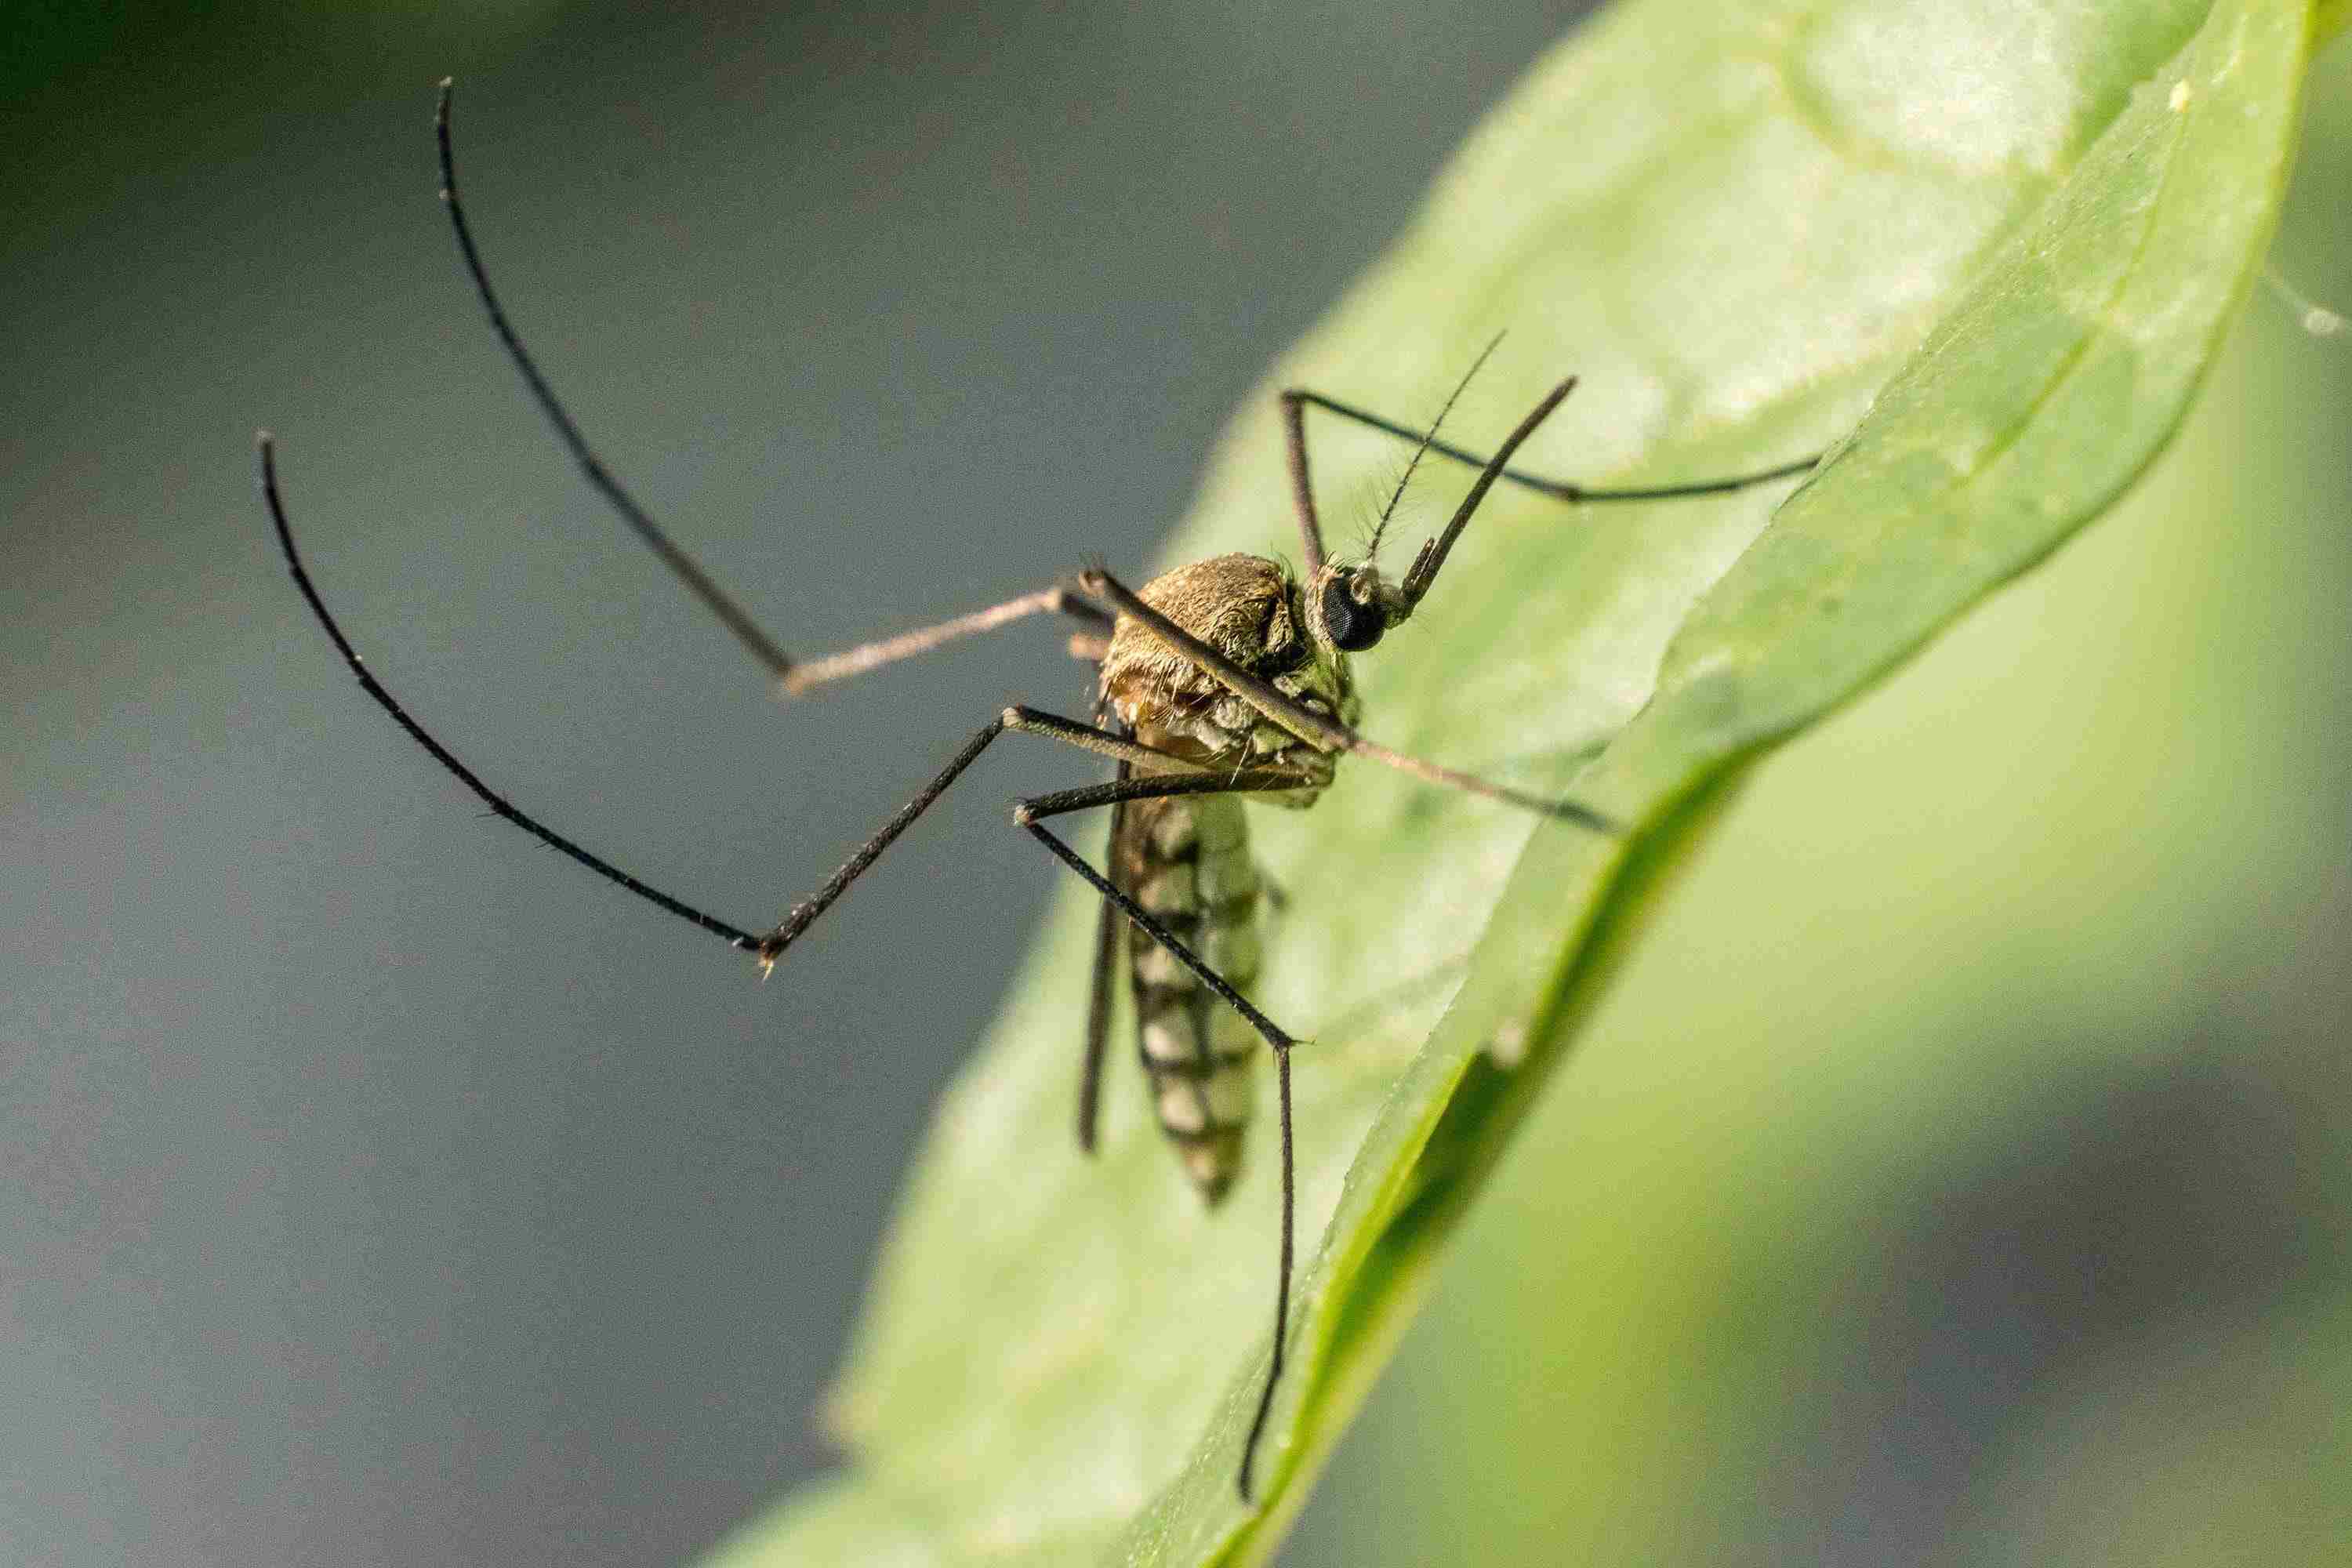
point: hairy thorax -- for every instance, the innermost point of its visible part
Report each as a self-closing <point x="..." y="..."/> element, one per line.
<point x="1248" y="609"/>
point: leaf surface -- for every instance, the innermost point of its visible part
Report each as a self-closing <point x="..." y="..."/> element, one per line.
<point x="1986" y="250"/>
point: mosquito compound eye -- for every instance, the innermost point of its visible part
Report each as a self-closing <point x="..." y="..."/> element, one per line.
<point x="1353" y="627"/>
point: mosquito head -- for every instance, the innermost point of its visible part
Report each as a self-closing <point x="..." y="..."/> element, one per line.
<point x="1351" y="607"/>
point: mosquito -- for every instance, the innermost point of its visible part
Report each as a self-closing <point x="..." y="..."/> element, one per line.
<point x="1220" y="682"/>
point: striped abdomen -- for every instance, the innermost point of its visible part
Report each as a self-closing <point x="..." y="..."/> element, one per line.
<point x="1186" y="860"/>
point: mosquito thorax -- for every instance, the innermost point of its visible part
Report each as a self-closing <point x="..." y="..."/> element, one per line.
<point x="1249" y="609"/>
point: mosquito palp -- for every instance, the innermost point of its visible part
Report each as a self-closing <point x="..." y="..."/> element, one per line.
<point x="1220" y="683"/>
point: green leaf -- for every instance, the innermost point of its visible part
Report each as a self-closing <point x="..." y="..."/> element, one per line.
<point x="1987" y="249"/>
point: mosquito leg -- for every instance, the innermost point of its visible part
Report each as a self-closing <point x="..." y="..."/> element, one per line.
<point x="794" y="677"/>
<point x="814" y="672"/>
<point x="1294" y="398"/>
<point x="1028" y="720"/>
<point x="1282" y="1277"/>
<point x="1302" y="484"/>
<point x="1098" y="1005"/>
<point x="682" y="566"/>
<point x="1086" y="797"/>
<point x="266" y="450"/>
<point x="1096" y="738"/>
<point x="1103" y="984"/>
<point x="1027" y="814"/>
<point x="1280" y="1044"/>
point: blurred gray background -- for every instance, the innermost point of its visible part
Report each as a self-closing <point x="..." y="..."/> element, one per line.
<point x="379" y="1187"/>
<point x="1958" y="1173"/>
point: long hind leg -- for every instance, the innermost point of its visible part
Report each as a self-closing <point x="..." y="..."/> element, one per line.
<point x="1029" y="815"/>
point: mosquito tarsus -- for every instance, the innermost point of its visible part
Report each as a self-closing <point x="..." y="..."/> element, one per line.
<point x="1223" y="681"/>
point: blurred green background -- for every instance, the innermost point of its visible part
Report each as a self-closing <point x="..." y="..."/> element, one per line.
<point x="1958" y="1174"/>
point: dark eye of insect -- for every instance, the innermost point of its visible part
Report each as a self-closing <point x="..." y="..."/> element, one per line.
<point x="1353" y="627"/>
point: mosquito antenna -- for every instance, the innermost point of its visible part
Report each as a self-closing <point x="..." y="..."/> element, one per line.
<point x="1431" y="555"/>
<point x="1558" y="490"/>
<point x="1422" y="449"/>
<point x="683" y="566"/>
<point x="498" y="805"/>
